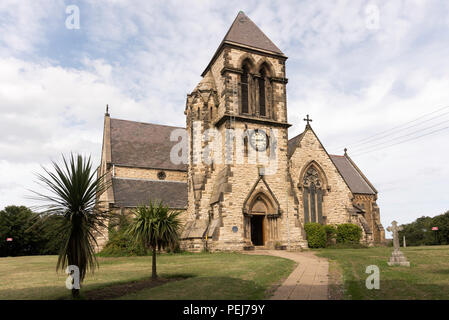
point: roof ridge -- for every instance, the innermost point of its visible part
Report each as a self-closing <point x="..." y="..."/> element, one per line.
<point x="148" y="123"/>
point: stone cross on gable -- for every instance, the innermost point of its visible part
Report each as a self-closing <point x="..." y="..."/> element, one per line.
<point x="308" y="119"/>
<point x="395" y="229"/>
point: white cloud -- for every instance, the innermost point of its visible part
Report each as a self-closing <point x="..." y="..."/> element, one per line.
<point x="48" y="110"/>
<point x="143" y="57"/>
<point x="24" y="23"/>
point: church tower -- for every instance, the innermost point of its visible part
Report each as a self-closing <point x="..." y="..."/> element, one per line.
<point x="242" y="195"/>
<point x="245" y="184"/>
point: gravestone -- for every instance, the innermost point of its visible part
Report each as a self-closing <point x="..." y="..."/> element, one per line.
<point x="397" y="257"/>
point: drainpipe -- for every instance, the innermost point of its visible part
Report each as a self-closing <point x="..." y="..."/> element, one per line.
<point x="206" y="233"/>
<point x="288" y="226"/>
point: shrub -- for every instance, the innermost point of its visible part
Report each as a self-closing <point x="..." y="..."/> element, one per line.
<point x="316" y="235"/>
<point x="331" y="233"/>
<point x="121" y="244"/>
<point x="348" y="233"/>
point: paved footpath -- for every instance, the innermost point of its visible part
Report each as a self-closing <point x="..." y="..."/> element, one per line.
<point x="310" y="279"/>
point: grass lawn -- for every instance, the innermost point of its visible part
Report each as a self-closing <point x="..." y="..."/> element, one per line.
<point x="427" y="277"/>
<point x="203" y="276"/>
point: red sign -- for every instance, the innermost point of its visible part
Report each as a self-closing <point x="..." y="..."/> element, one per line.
<point x="434" y="228"/>
<point x="8" y="239"/>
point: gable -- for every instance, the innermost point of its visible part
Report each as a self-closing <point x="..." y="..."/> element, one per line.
<point x="262" y="188"/>
<point x="348" y="171"/>
<point x="306" y="150"/>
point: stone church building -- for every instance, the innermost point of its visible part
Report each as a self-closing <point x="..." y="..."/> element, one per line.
<point x="238" y="205"/>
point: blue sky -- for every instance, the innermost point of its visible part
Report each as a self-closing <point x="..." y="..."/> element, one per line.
<point x="354" y="75"/>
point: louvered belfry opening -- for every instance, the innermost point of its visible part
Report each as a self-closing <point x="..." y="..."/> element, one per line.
<point x="244" y="88"/>
<point x="262" y="107"/>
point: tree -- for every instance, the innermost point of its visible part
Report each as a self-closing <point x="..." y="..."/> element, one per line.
<point x="155" y="226"/>
<point x="29" y="235"/>
<point x="15" y="222"/>
<point x="442" y="222"/>
<point x="73" y="188"/>
<point x="420" y="232"/>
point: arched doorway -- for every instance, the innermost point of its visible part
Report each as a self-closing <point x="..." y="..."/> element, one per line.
<point x="260" y="216"/>
<point x="261" y="220"/>
<point x="258" y="221"/>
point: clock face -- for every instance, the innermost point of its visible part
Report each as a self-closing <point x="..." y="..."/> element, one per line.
<point x="259" y="140"/>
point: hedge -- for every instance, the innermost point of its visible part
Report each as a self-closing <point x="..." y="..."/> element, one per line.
<point x="316" y="235"/>
<point x="348" y="233"/>
<point x="331" y="233"/>
<point x="319" y="236"/>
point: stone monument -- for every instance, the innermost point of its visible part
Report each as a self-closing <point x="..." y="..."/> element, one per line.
<point x="397" y="257"/>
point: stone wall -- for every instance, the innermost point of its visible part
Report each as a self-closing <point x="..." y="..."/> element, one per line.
<point x="150" y="174"/>
<point x="337" y="199"/>
<point x="234" y="59"/>
<point x="372" y="215"/>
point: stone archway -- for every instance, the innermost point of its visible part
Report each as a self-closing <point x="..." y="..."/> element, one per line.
<point x="261" y="221"/>
<point x="258" y="214"/>
<point x="261" y="215"/>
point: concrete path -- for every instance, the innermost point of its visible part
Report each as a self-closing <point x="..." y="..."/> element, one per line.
<point x="310" y="279"/>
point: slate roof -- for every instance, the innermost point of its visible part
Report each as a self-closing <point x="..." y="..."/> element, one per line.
<point x="244" y="31"/>
<point x="351" y="174"/>
<point x="132" y="193"/>
<point x="143" y="145"/>
<point x="292" y="144"/>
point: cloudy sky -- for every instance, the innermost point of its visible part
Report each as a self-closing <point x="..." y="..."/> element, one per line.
<point x="373" y="75"/>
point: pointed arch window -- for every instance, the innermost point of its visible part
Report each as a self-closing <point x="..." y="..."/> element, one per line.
<point x="262" y="103"/>
<point x="313" y="196"/>
<point x="244" y="88"/>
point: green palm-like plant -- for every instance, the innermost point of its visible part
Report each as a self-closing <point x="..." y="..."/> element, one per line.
<point x="155" y="226"/>
<point x="73" y="190"/>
